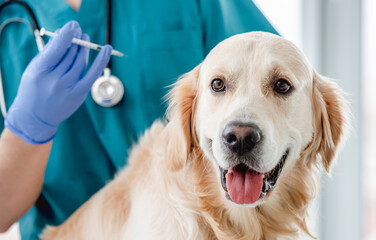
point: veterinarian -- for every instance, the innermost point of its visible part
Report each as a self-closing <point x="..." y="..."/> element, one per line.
<point x="59" y="146"/>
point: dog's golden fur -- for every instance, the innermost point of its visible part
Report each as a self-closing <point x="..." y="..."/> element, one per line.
<point x="171" y="190"/>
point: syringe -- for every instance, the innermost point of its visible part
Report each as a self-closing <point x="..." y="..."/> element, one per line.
<point x="80" y="42"/>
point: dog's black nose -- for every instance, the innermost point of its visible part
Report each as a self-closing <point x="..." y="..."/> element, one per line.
<point x="241" y="137"/>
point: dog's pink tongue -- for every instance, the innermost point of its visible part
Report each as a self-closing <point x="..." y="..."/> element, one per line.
<point x="244" y="188"/>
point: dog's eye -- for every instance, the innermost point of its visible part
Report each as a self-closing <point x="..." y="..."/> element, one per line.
<point x="282" y="86"/>
<point x="218" y="85"/>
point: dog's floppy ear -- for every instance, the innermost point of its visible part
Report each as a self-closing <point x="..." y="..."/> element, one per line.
<point x="180" y="129"/>
<point x="330" y="117"/>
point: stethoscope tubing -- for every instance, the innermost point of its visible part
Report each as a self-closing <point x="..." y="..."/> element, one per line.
<point x="109" y="27"/>
<point x="26" y="7"/>
<point x="107" y="79"/>
<point x="35" y="27"/>
<point x="2" y="26"/>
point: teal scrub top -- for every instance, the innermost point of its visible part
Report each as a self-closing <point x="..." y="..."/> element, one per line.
<point x="163" y="39"/>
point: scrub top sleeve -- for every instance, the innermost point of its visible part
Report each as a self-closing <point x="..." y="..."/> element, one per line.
<point x="223" y="18"/>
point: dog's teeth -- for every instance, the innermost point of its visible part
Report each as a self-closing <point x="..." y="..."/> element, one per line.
<point x="223" y="179"/>
<point x="262" y="194"/>
<point x="268" y="186"/>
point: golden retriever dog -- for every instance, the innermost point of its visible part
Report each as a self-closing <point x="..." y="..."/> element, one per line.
<point x="249" y="130"/>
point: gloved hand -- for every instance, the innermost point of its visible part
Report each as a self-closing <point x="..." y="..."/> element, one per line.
<point x="53" y="86"/>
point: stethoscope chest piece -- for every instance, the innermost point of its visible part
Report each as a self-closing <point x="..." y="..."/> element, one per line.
<point x="107" y="90"/>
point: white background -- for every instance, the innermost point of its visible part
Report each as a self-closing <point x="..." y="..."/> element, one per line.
<point x="339" y="37"/>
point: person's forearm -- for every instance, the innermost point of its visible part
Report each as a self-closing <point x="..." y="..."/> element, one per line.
<point x="22" y="167"/>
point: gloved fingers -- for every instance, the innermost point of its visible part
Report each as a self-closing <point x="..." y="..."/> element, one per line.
<point x="35" y="62"/>
<point x="59" y="45"/>
<point x="78" y="66"/>
<point x="68" y="59"/>
<point x="51" y="40"/>
<point x="100" y="62"/>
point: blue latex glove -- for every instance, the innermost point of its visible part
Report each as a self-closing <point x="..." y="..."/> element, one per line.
<point x="53" y="86"/>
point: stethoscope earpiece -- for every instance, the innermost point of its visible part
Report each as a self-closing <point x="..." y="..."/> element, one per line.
<point x="107" y="90"/>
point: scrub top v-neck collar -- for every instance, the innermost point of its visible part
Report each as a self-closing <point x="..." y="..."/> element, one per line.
<point x="54" y="12"/>
<point x="91" y="12"/>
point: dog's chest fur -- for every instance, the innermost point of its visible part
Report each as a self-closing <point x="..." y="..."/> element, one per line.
<point x="166" y="216"/>
<point x="162" y="203"/>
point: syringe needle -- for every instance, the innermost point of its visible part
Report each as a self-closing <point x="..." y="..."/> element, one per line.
<point x="80" y="42"/>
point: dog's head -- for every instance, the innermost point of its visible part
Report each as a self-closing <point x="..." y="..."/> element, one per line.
<point x="256" y="107"/>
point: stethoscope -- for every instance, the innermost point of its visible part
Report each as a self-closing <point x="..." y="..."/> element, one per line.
<point x="107" y="90"/>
